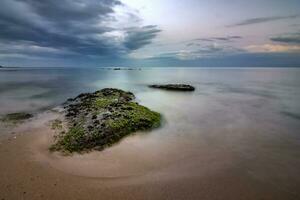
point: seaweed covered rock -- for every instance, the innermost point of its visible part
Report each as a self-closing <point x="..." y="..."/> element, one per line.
<point x="175" y="87"/>
<point x="16" y="117"/>
<point x="100" y="119"/>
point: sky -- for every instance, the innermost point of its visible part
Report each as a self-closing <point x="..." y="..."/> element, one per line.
<point x="155" y="33"/>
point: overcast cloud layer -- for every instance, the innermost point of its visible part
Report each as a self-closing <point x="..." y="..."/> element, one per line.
<point x="149" y="33"/>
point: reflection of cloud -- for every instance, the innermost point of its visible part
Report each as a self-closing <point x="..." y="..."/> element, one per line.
<point x="259" y="20"/>
<point x="273" y="48"/>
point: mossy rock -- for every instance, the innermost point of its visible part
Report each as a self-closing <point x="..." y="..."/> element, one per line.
<point x="100" y="119"/>
<point x="16" y="117"/>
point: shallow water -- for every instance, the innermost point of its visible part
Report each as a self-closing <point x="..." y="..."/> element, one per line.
<point x="245" y="120"/>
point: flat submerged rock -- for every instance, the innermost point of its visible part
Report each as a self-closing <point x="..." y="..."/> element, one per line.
<point x="16" y="117"/>
<point x="175" y="87"/>
<point x="100" y="119"/>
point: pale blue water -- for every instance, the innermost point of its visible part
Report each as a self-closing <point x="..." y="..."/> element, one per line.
<point x="251" y="115"/>
<point x="31" y="89"/>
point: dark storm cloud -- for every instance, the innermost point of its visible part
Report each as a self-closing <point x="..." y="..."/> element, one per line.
<point x="259" y="20"/>
<point x="139" y="37"/>
<point x="61" y="11"/>
<point x="83" y="27"/>
<point x="293" y="38"/>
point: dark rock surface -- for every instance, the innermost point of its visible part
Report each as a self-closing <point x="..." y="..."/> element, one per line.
<point x="124" y="68"/>
<point x="100" y="119"/>
<point x="16" y="117"/>
<point x="175" y="87"/>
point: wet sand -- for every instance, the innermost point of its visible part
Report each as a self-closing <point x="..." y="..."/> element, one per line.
<point x="128" y="170"/>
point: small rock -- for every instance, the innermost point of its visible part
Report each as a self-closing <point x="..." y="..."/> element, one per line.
<point x="175" y="87"/>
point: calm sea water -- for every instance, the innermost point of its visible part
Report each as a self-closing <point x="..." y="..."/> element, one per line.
<point x="33" y="89"/>
<point x="250" y="115"/>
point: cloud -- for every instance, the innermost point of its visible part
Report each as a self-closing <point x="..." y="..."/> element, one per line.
<point x="190" y="49"/>
<point x="64" y="27"/>
<point x="214" y="50"/>
<point x="29" y="49"/>
<point x="295" y="25"/>
<point x="203" y="51"/>
<point x="242" y="59"/>
<point x="292" y="38"/>
<point x="224" y="39"/>
<point x="259" y="20"/>
<point x="139" y="37"/>
<point x="286" y="43"/>
<point x="273" y="48"/>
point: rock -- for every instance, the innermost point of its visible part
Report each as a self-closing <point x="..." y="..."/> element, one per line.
<point x="98" y="120"/>
<point x="15" y="117"/>
<point x="125" y="68"/>
<point x="175" y="87"/>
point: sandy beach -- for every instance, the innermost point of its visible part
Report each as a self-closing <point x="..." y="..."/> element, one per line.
<point x="29" y="171"/>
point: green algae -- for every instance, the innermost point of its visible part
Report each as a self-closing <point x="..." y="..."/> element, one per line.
<point x="71" y="141"/>
<point x="134" y="117"/>
<point x="57" y="124"/>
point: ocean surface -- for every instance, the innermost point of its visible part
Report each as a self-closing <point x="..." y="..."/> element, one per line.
<point x="249" y="117"/>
